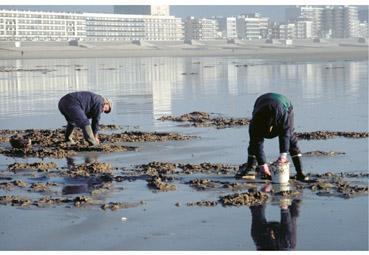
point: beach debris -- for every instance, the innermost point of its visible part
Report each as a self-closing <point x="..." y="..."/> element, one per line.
<point x="137" y="136"/>
<point x="157" y="168"/>
<point x="322" y="135"/>
<point x="88" y="169"/>
<point x="202" y="184"/>
<point x="247" y="198"/>
<point x="204" y="119"/>
<point x="206" y="203"/>
<point x="157" y="184"/>
<point x="113" y="206"/>
<point x="19" y="142"/>
<point x="42" y="143"/>
<point x="39" y="166"/>
<point x="207" y="167"/>
<point x="322" y="153"/>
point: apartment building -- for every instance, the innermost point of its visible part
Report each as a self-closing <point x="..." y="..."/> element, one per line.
<point x="200" y="29"/>
<point x="252" y="26"/>
<point x="41" y="26"/>
<point x="115" y="27"/>
<point x="61" y="26"/>
<point x="227" y="27"/>
<point x="287" y="31"/>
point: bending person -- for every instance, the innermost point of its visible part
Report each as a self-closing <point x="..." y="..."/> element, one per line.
<point x="272" y="116"/>
<point x="78" y="108"/>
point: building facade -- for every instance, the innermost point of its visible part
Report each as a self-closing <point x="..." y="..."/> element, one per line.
<point x="41" y="26"/>
<point x="155" y="10"/>
<point x="54" y="26"/>
<point x="227" y="27"/>
<point x="200" y="29"/>
<point x="287" y="31"/>
<point x="252" y="26"/>
<point x="328" y="21"/>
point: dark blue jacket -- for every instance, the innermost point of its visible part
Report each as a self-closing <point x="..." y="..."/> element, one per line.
<point x="79" y="107"/>
<point x="272" y="116"/>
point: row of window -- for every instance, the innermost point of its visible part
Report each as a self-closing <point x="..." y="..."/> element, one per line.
<point x="39" y="16"/>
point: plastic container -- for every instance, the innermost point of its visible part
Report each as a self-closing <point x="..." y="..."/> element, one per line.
<point x="281" y="173"/>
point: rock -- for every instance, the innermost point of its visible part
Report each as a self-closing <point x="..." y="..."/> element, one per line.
<point x="158" y="184"/>
<point x="247" y="198"/>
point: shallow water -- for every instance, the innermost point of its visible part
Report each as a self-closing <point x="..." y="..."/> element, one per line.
<point x="326" y="96"/>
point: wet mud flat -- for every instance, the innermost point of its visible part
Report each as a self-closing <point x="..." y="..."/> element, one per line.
<point x="204" y="119"/>
<point x="50" y="142"/>
<point x="101" y="179"/>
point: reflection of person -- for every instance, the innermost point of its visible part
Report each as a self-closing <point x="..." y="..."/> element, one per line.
<point x="275" y="235"/>
<point x="272" y="116"/>
<point x="78" y="108"/>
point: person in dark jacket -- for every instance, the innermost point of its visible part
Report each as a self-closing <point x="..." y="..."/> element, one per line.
<point x="78" y="108"/>
<point x="272" y="116"/>
<point x="274" y="235"/>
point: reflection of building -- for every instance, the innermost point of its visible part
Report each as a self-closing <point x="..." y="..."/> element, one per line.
<point x="252" y="26"/>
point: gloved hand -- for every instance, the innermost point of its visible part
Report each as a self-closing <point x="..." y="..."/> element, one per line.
<point x="282" y="158"/>
<point x="265" y="170"/>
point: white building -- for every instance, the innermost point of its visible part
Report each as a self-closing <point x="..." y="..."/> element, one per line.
<point x="41" y="26"/>
<point x="54" y="26"/>
<point x="227" y="27"/>
<point x="200" y="29"/>
<point x="252" y="26"/>
<point x="304" y="29"/>
<point x="113" y="27"/>
<point x="155" y="10"/>
<point x="328" y="21"/>
<point x="287" y="31"/>
<point x="363" y="30"/>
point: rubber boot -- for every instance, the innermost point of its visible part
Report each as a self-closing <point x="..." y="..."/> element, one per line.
<point x="247" y="169"/>
<point x="296" y="159"/>
<point x="89" y="135"/>
<point x="69" y="134"/>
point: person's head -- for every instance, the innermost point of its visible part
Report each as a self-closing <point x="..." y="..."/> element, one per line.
<point x="107" y="105"/>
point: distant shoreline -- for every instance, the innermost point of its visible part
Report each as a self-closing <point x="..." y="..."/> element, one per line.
<point x="303" y="50"/>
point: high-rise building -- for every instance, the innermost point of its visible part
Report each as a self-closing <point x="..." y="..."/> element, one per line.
<point x="252" y="26"/>
<point x="304" y="29"/>
<point x="328" y="21"/>
<point x="155" y="10"/>
<point x="227" y="26"/>
<point x="200" y="29"/>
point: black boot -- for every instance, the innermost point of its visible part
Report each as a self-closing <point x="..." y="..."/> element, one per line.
<point x="296" y="159"/>
<point x="247" y="169"/>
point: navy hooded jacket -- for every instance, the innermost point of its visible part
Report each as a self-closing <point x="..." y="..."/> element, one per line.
<point x="79" y="107"/>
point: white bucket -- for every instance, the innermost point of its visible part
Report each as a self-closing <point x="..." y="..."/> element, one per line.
<point x="281" y="173"/>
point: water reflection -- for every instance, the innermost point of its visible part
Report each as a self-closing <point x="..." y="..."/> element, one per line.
<point x="162" y="85"/>
<point x="275" y="235"/>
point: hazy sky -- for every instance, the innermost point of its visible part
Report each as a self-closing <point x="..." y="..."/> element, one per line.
<point x="276" y="13"/>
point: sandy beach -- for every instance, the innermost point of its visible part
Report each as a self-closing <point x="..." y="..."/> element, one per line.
<point x="302" y="50"/>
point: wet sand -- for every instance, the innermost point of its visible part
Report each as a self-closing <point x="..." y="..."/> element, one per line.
<point x="118" y="195"/>
<point x="301" y="50"/>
